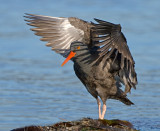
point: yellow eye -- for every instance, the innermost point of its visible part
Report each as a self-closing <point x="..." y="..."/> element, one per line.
<point x="78" y="47"/>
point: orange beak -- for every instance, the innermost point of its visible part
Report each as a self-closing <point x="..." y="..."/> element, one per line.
<point x="71" y="55"/>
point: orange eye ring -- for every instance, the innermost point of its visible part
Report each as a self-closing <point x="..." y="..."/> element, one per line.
<point x="78" y="47"/>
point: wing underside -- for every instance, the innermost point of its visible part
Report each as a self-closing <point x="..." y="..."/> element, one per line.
<point x="57" y="31"/>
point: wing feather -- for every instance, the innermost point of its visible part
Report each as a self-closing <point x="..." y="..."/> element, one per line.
<point x="57" y="31"/>
<point x="112" y="44"/>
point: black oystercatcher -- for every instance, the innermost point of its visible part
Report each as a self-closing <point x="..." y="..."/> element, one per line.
<point x="99" y="51"/>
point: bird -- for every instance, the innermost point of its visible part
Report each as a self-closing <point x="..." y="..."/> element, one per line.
<point x="99" y="51"/>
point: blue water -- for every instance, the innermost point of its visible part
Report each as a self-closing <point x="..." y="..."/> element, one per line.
<point x="36" y="90"/>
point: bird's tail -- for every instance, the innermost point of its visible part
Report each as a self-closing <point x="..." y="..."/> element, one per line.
<point x="125" y="100"/>
<point x="121" y="96"/>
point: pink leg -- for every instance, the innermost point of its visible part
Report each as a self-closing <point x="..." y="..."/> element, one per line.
<point x="99" y="108"/>
<point x="103" y="111"/>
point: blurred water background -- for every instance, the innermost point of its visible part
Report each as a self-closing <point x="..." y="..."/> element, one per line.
<point x="36" y="90"/>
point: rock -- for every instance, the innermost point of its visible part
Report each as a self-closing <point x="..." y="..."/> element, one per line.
<point x="85" y="124"/>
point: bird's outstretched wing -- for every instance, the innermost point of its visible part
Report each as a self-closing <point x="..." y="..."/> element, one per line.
<point x="112" y="43"/>
<point x="57" y="31"/>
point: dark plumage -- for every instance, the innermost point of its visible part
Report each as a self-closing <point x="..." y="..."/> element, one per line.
<point x="102" y="60"/>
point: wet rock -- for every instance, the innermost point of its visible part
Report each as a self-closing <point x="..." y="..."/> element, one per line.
<point x="85" y="124"/>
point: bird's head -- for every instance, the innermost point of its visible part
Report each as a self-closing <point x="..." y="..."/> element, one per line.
<point x="77" y="49"/>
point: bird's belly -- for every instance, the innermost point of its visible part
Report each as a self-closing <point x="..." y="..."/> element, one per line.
<point x="96" y="83"/>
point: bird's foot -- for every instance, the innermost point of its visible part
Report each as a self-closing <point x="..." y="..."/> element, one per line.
<point x="101" y="115"/>
<point x="99" y="108"/>
<point x="103" y="111"/>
